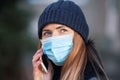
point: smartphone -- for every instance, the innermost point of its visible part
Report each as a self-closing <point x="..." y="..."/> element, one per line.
<point x="43" y="67"/>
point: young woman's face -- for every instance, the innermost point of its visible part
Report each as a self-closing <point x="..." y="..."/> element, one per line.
<point x="55" y="30"/>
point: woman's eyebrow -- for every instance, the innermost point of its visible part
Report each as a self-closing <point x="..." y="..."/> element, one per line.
<point x="58" y="27"/>
<point x="45" y="30"/>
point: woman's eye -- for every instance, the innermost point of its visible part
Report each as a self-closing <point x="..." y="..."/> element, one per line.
<point x="63" y="30"/>
<point x="47" y="34"/>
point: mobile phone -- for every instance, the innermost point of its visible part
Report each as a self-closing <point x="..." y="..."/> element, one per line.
<point x="43" y="67"/>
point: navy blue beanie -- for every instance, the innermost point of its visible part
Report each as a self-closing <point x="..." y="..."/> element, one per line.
<point x="66" y="13"/>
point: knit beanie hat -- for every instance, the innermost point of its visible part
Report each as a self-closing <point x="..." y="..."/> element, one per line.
<point x="66" y="13"/>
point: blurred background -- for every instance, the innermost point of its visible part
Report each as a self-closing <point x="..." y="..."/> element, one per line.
<point x="19" y="40"/>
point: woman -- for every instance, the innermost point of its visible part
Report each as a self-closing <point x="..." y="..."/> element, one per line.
<point x="64" y="48"/>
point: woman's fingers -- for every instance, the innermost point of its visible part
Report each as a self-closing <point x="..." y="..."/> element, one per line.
<point x="37" y="64"/>
<point x="36" y="57"/>
<point x="38" y="52"/>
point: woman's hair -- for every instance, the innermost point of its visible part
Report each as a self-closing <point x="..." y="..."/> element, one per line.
<point x="81" y="54"/>
<point x="76" y="63"/>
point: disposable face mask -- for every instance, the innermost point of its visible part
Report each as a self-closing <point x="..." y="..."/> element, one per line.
<point x="57" y="48"/>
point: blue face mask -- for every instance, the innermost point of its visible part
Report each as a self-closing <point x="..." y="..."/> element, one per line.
<point x="57" y="48"/>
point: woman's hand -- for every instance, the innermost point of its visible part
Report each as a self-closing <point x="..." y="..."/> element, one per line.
<point x="38" y="73"/>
